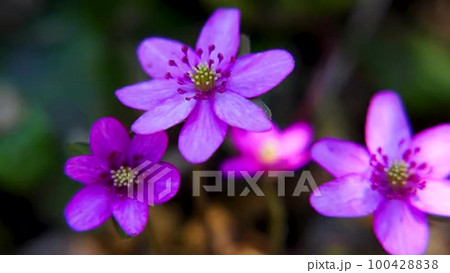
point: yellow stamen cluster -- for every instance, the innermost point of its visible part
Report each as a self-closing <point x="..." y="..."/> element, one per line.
<point x="398" y="174"/>
<point x="204" y="77"/>
<point x="269" y="152"/>
<point x="124" y="176"/>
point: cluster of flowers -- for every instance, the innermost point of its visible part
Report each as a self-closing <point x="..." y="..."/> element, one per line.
<point x="397" y="177"/>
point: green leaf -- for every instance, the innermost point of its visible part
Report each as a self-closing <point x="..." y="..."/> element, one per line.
<point x="244" y="45"/>
<point x="79" y="148"/>
<point x="263" y="106"/>
<point x="120" y="231"/>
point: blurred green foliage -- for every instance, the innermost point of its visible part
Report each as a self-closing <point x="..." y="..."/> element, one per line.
<point x="414" y="64"/>
<point x="27" y="153"/>
<point x="79" y="148"/>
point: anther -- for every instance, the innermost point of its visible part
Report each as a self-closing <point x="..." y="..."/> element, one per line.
<point x="199" y="52"/>
<point x="185" y="60"/>
<point x="211" y="48"/>
<point x="422" y="166"/>
<point x="407" y="155"/>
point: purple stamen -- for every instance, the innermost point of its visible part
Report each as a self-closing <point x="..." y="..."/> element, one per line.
<point x="184" y="49"/>
<point x="185" y="60"/>
<point x="199" y="52"/>
<point x="407" y="155"/>
<point x="422" y="166"/>
<point x="211" y="48"/>
<point x="186" y="77"/>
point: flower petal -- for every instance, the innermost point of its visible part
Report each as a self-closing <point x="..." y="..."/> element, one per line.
<point x="222" y="31"/>
<point x="147" y="147"/>
<point x="254" y="74"/>
<point x="240" y="112"/>
<point x="147" y="95"/>
<point x="236" y="165"/>
<point x="169" y="113"/>
<point x="202" y="134"/>
<point x="340" y="157"/>
<point x="296" y="139"/>
<point x="434" y="198"/>
<point x="154" y="55"/>
<point x="87" y="169"/>
<point x="108" y="137"/>
<point x="131" y="214"/>
<point x="89" y="208"/>
<point x="347" y="196"/>
<point x="401" y="228"/>
<point x="434" y="144"/>
<point x="157" y="183"/>
<point x="387" y="125"/>
<point x="291" y="162"/>
<point x="241" y="139"/>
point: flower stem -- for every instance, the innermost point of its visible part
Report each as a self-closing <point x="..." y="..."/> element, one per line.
<point x="155" y="248"/>
<point x="277" y="217"/>
<point x="201" y="203"/>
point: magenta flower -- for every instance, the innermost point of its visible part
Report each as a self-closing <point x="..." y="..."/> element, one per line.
<point x="272" y="150"/>
<point x="111" y="175"/>
<point x="209" y="86"/>
<point x="398" y="178"/>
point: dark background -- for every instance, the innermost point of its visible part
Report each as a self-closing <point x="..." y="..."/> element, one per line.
<point x="61" y="61"/>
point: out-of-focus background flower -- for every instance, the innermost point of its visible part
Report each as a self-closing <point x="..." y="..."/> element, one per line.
<point x="61" y="61"/>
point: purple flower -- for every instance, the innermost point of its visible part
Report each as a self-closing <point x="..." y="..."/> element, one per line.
<point x="208" y="86"/>
<point x="272" y="150"/>
<point x="398" y="178"/>
<point x="115" y="183"/>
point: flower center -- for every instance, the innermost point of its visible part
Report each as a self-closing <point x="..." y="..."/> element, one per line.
<point x="398" y="174"/>
<point x="124" y="176"/>
<point x="204" y="77"/>
<point x="398" y="179"/>
<point x="269" y="152"/>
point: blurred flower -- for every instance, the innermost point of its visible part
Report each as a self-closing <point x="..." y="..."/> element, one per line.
<point x="110" y="173"/>
<point x="272" y="150"/>
<point x="209" y="86"/>
<point x="399" y="177"/>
